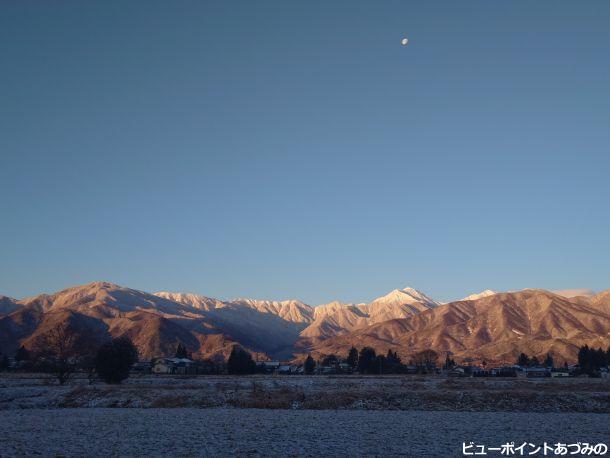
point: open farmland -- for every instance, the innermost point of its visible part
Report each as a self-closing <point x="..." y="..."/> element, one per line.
<point x="255" y="432"/>
<point x="315" y="392"/>
<point x="295" y="415"/>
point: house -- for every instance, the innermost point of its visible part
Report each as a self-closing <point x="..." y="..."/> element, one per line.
<point x="345" y="368"/>
<point x="286" y="369"/>
<point x="12" y="364"/>
<point x="162" y="366"/>
<point x="520" y="371"/>
<point x="558" y="373"/>
<point x="208" y="366"/>
<point x="268" y="366"/>
<point x="537" y="372"/>
<point x="457" y="371"/>
<point x="326" y="370"/>
<point x="142" y="368"/>
<point x="573" y="369"/>
<point x="480" y="372"/>
<point x="504" y="371"/>
<point x="178" y="366"/>
<point x="605" y="372"/>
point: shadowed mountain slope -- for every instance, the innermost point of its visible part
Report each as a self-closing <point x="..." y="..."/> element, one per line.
<point x="336" y="318"/>
<point x="103" y="309"/>
<point x="492" y="326"/>
<point x="496" y="327"/>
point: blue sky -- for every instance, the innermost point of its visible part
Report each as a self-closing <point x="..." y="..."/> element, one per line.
<point x="297" y="150"/>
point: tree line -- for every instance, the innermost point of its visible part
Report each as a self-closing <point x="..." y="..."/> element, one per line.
<point x="365" y="361"/>
<point x="62" y="351"/>
<point x="524" y="360"/>
<point x="590" y="360"/>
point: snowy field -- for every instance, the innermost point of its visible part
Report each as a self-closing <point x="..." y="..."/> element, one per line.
<point x="295" y="416"/>
<point x="256" y="432"/>
<point x="19" y="391"/>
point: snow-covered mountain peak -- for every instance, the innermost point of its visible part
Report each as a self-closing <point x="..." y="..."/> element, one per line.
<point x="569" y="293"/>
<point x="330" y="308"/>
<point x="291" y="310"/>
<point x="192" y="300"/>
<point x="406" y="295"/>
<point x="482" y="294"/>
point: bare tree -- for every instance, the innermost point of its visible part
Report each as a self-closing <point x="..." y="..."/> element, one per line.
<point x="425" y="359"/>
<point x="61" y="349"/>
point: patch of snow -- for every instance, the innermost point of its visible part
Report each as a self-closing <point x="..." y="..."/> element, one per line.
<point x="482" y="294"/>
<point x="574" y="292"/>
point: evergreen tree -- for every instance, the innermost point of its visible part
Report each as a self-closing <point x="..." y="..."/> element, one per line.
<point x="523" y="360"/>
<point x="330" y="360"/>
<point x="392" y="358"/>
<point x="548" y="362"/>
<point x="4" y="363"/>
<point x="380" y="365"/>
<point x="309" y="365"/>
<point x="590" y="360"/>
<point x="240" y="362"/>
<point x="181" y="351"/>
<point x="599" y="358"/>
<point x="22" y="354"/>
<point x="367" y="360"/>
<point x="114" y="359"/>
<point x="449" y="363"/>
<point x="391" y="362"/>
<point x="352" y="357"/>
<point x="534" y="362"/>
<point x="584" y="359"/>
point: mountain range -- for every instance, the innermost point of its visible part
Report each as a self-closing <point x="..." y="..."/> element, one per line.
<point x="490" y="325"/>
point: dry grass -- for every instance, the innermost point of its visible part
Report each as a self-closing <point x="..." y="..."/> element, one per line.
<point x="383" y="393"/>
<point x="170" y="402"/>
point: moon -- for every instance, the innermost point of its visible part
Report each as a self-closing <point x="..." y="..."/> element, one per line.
<point x="405" y="41"/>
